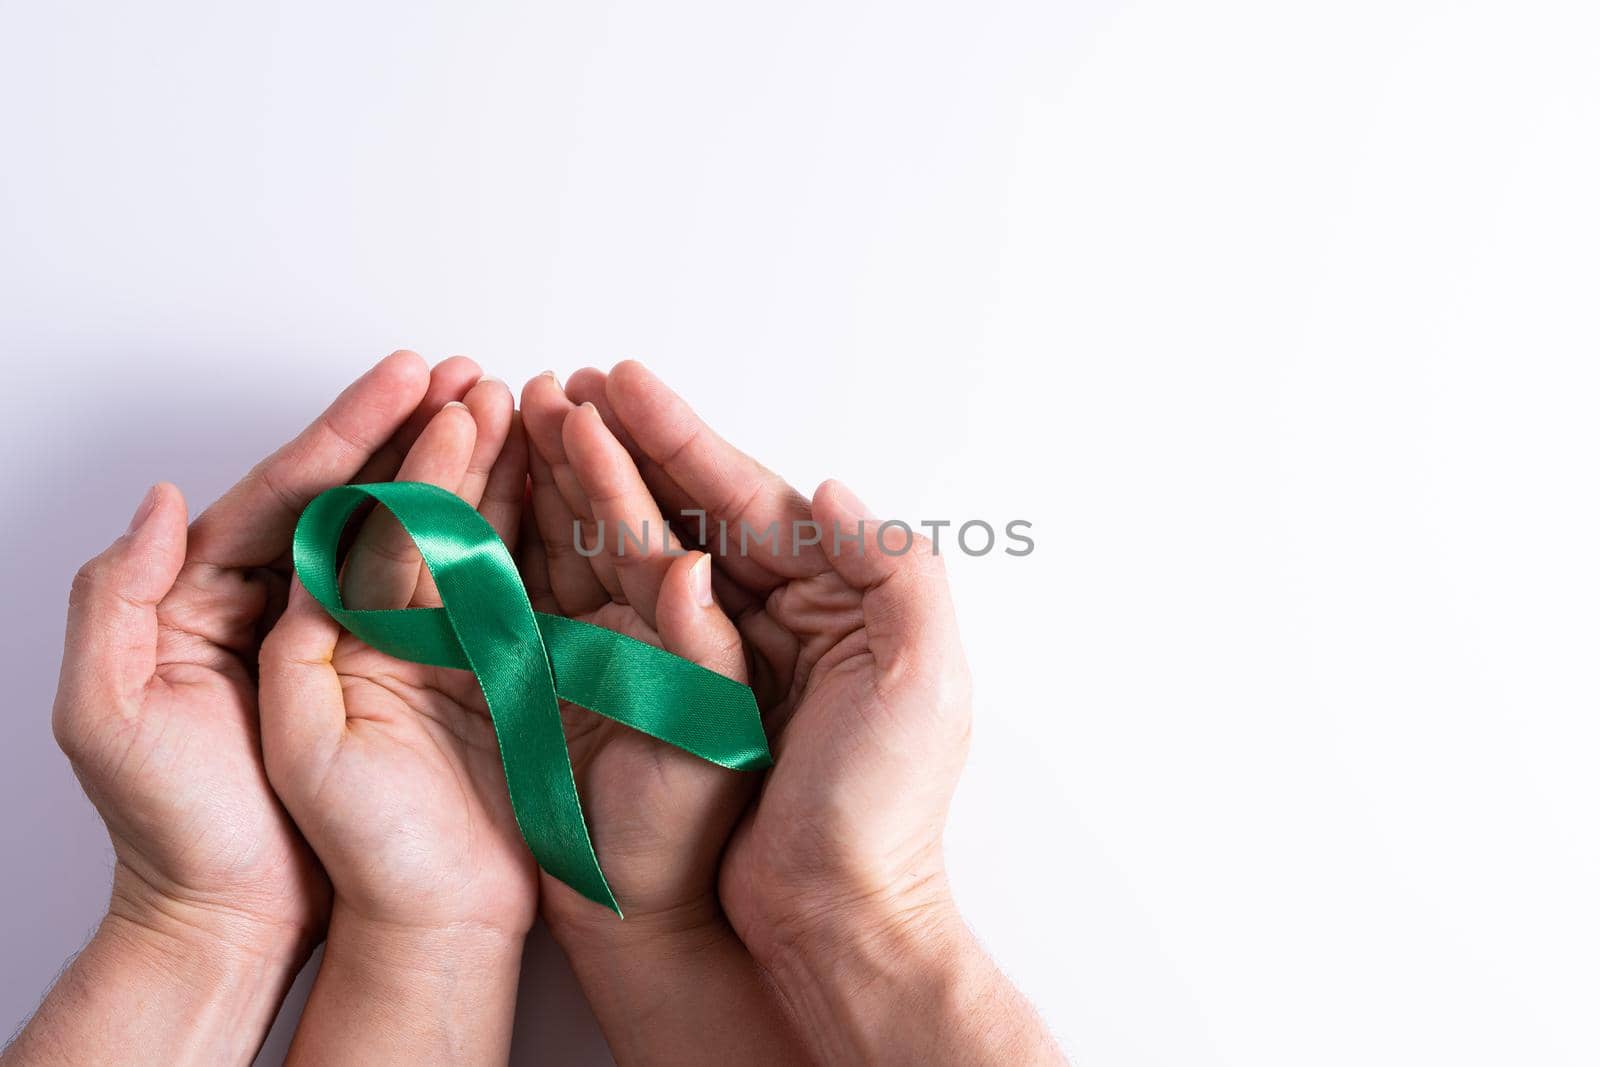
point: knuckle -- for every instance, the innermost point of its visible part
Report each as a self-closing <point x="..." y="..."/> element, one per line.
<point x="86" y="581"/>
<point x="928" y="558"/>
<point x="906" y="549"/>
<point x="272" y="652"/>
<point x="64" y="728"/>
<point x="401" y="551"/>
<point x="729" y="653"/>
<point x="83" y="731"/>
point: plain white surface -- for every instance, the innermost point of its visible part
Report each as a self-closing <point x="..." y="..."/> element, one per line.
<point x="1277" y="320"/>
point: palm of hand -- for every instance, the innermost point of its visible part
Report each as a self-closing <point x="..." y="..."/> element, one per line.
<point x="839" y="814"/>
<point x="392" y="768"/>
<point x="658" y="816"/>
<point x="648" y="804"/>
<point x="199" y="822"/>
<point x="419" y="748"/>
<point x="159" y="708"/>
<point x="798" y="835"/>
<point x="853" y="651"/>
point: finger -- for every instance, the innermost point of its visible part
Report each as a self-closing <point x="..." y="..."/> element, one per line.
<point x="250" y="526"/>
<point x="728" y="485"/>
<point x="588" y="386"/>
<point x="112" y="628"/>
<point x="382" y="568"/>
<point x="637" y="539"/>
<point x="569" y="578"/>
<point x="907" y="612"/>
<point x="691" y="624"/>
<point x="772" y="648"/>
<point x="544" y="408"/>
<point x="490" y="403"/>
<point x="534" y="566"/>
<point x="302" y="698"/>
<point x="449" y="381"/>
<point x="506" y="491"/>
<point x="776" y="650"/>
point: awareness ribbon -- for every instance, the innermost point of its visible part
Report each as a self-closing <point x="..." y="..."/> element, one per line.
<point x="525" y="661"/>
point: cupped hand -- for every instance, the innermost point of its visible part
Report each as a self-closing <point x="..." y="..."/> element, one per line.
<point x="658" y="816"/>
<point x="672" y="983"/>
<point x="834" y="878"/>
<point x="391" y="768"/>
<point x="157" y="705"/>
<point x="856" y="660"/>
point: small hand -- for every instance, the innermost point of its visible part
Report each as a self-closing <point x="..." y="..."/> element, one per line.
<point x="671" y="983"/>
<point x="392" y="771"/>
<point x="658" y="815"/>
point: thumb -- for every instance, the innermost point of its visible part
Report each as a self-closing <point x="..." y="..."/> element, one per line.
<point x="691" y="624"/>
<point x="302" y="696"/>
<point x="907" y="612"/>
<point x="111" y="613"/>
<point x="918" y="702"/>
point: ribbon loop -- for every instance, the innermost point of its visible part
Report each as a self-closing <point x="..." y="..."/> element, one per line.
<point x="526" y="661"/>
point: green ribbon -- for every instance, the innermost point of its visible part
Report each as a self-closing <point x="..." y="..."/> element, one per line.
<point x="525" y="661"/>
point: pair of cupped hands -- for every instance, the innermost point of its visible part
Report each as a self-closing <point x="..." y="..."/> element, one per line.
<point x="269" y="781"/>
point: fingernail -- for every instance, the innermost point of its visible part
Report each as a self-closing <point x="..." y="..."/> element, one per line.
<point x="489" y="379"/>
<point x="552" y="376"/>
<point x="851" y="502"/>
<point x="590" y="405"/>
<point x="700" y="579"/>
<point x="146" y="506"/>
<point x="456" y="404"/>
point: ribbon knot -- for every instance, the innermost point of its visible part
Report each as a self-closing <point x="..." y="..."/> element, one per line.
<point x="525" y="661"/>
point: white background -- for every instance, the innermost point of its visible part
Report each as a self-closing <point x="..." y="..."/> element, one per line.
<point x="1277" y="320"/>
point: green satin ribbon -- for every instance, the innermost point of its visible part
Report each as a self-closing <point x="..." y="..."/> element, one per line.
<point x="525" y="660"/>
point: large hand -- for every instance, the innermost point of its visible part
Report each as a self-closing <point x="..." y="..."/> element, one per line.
<point x="392" y="771"/>
<point x="157" y="702"/>
<point x="835" y="879"/>
<point x="858" y="665"/>
<point x="671" y="983"/>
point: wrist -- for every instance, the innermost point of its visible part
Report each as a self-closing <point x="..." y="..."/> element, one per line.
<point x="417" y="952"/>
<point x="159" y="984"/>
<point x="614" y="958"/>
<point x="220" y="936"/>
<point x="845" y="950"/>
<point x="676" y="986"/>
<point x="908" y="980"/>
<point x="389" y="992"/>
<point x="623" y="963"/>
<point x="843" y="920"/>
